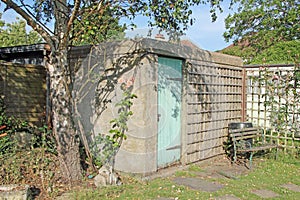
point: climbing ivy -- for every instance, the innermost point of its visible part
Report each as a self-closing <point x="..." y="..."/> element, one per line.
<point x="281" y="91"/>
<point x="105" y="146"/>
<point x="119" y="124"/>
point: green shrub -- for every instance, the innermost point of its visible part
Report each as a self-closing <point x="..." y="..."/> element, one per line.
<point x="14" y="131"/>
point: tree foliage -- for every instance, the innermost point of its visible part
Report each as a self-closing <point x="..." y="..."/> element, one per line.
<point x="279" y="53"/>
<point x="12" y="34"/>
<point x="91" y="28"/>
<point x="263" y="23"/>
<point x="246" y="53"/>
<point x="174" y="17"/>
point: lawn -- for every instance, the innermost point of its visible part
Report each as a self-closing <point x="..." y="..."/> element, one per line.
<point x="268" y="174"/>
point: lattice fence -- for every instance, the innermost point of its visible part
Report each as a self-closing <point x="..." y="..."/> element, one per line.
<point x="273" y="102"/>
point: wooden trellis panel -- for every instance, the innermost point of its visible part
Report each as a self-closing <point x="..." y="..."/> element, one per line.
<point x="214" y="99"/>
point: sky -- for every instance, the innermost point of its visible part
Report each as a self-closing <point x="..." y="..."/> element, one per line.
<point x="204" y="33"/>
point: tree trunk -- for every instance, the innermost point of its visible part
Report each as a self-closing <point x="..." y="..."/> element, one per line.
<point x="63" y="124"/>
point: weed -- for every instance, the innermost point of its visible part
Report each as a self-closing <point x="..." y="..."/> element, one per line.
<point x="27" y="153"/>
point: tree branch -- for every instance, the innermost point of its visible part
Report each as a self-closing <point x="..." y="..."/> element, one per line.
<point x="72" y="18"/>
<point x="33" y="17"/>
<point x="30" y="21"/>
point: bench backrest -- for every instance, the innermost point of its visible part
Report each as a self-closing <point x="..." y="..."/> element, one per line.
<point x="243" y="133"/>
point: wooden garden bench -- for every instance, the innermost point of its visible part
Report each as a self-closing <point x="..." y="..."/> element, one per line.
<point x="244" y="140"/>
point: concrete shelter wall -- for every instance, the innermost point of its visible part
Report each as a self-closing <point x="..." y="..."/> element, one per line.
<point x="138" y="152"/>
<point x="97" y="90"/>
<point x="212" y="98"/>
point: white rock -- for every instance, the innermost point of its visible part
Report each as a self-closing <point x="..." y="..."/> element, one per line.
<point x="106" y="176"/>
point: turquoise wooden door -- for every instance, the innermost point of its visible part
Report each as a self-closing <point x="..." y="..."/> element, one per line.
<point x="169" y="110"/>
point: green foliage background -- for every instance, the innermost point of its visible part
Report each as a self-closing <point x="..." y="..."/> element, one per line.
<point x="15" y="33"/>
<point x="264" y="32"/>
<point x="282" y="52"/>
<point x="263" y="23"/>
<point x="279" y="53"/>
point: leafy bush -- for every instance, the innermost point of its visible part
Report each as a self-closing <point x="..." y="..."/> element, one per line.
<point x="34" y="163"/>
<point x="14" y="131"/>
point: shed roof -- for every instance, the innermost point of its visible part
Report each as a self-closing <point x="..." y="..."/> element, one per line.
<point x="24" y="54"/>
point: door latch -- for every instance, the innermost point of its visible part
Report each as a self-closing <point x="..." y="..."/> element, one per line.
<point x="158" y="117"/>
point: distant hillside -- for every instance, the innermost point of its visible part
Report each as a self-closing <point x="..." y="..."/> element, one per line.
<point x="283" y="52"/>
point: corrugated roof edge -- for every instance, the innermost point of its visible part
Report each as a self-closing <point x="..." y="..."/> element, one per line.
<point x="24" y="48"/>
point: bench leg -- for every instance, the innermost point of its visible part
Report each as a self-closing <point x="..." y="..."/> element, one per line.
<point x="234" y="155"/>
<point x="250" y="159"/>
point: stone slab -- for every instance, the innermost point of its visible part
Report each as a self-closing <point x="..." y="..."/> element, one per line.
<point x="164" y="198"/>
<point x="198" y="184"/>
<point x="227" y="197"/>
<point x="291" y="186"/>
<point x="14" y="192"/>
<point x="265" y="193"/>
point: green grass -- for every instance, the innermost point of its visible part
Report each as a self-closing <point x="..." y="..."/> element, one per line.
<point x="190" y="172"/>
<point x="268" y="174"/>
<point x="195" y="168"/>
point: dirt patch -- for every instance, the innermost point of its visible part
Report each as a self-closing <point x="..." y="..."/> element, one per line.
<point x="215" y="169"/>
<point x="219" y="167"/>
<point x="222" y="168"/>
